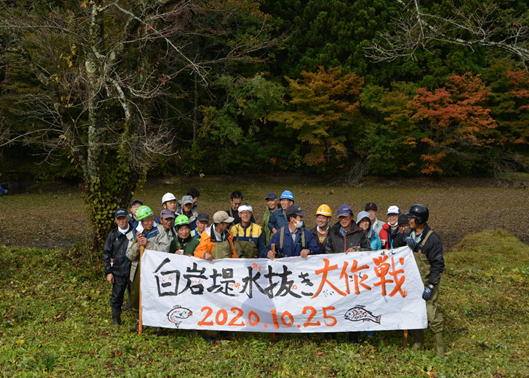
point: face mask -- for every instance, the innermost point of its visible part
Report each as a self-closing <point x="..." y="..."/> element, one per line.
<point x="298" y="224"/>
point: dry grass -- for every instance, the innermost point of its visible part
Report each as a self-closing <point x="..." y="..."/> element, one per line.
<point x="457" y="206"/>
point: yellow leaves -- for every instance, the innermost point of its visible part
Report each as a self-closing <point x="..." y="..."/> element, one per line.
<point x="84" y="4"/>
<point x="20" y="342"/>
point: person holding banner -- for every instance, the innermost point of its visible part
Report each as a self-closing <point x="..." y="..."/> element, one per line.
<point x="248" y="236"/>
<point x="346" y="236"/>
<point x="149" y="238"/>
<point x="116" y="264"/>
<point x="428" y="253"/>
<point x="321" y="231"/>
<point x="184" y="243"/>
<point x="216" y="243"/>
<point x="292" y="239"/>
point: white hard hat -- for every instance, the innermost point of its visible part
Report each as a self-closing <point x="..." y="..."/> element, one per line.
<point x="168" y="197"/>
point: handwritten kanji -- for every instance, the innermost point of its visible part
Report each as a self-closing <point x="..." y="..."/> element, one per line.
<point x="381" y="270"/>
<point x="194" y="279"/>
<point x="398" y="281"/>
<point x="167" y="281"/>
<point x="324" y="272"/>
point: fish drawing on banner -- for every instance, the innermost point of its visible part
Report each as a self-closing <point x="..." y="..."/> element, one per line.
<point x="358" y="313"/>
<point x="177" y="314"/>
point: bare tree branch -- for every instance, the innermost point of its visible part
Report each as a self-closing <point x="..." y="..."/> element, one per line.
<point x="484" y="25"/>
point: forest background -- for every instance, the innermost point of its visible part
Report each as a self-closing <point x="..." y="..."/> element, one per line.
<point x="106" y="92"/>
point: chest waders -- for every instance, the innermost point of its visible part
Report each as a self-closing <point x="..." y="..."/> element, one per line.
<point x="222" y="250"/>
<point x="282" y="238"/>
<point x="245" y="249"/>
<point x="182" y="246"/>
<point x="422" y="261"/>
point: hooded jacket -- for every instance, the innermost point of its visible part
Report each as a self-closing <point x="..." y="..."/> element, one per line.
<point x="373" y="237"/>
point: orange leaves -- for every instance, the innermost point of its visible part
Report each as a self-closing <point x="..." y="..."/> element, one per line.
<point x="453" y="117"/>
<point x="520" y="80"/>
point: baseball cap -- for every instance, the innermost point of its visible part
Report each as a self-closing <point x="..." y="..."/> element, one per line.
<point x="134" y="201"/>
<point x="403" y="219"/>
<point x="371" y="206"/>
<point x="186" y="200"/>
<point x="393" y="210"/>
<point x="203" y="217"/>
<point x="166" y="213"/>
<point x="121" y="212"/>
<point x="295" y="210"/>
<point x="344" y="211"/>
<point x="222" y="217"/>
<point x="271" y="195"/>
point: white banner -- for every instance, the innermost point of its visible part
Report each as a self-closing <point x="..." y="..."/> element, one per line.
<point x="361" y="291"/>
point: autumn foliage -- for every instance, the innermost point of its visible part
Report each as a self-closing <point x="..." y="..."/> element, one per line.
<point x="322" y="109"/>
<point x="454" y="119"/>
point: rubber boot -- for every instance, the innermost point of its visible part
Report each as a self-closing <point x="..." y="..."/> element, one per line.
<point x="418" y="336"/>
<point x="439" y="346"/>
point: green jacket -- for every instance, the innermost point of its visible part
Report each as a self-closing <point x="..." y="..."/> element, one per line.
<point x="266" y="230"/>
<point x="188" y="245"/>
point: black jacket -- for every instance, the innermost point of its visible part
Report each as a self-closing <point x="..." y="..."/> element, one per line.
<point x="336" y="243"/>
<point x="433" y="249"/>
<point x="322" y="246"/>
<point x="115" y="248"/>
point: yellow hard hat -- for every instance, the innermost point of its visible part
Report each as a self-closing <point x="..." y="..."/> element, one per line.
<point x="324" y="210"/>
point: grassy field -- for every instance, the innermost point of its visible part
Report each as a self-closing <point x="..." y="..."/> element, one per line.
<point x="55" y="314"/>
<point x="55" y="321"/>
<point x="49" y="218"/>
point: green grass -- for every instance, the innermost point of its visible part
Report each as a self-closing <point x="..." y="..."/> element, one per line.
<point x="55" y="321"/>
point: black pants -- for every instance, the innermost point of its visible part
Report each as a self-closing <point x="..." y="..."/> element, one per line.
<point x="118" y="291"/>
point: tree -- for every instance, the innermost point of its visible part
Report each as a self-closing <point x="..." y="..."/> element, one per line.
<point x="476" y="23"/>
<point x="391" y="134"/>
<point x="323" y="108"/>
<point x="456" y="123"/>
<point x="104" y="69"/>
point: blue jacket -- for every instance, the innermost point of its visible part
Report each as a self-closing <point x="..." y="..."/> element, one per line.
<point x="277" y="220"/>
<point x="291" y="248"/>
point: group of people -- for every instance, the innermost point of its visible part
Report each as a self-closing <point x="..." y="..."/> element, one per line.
<point x="180" y="229"/>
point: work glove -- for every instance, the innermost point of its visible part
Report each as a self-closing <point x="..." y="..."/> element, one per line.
<point x="427" y="292"/>
<point x="411" y="242"/>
